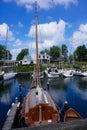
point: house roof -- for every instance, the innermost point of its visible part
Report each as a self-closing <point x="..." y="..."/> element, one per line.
<point x="45" y="54"/>
<point x="28" y="57"/>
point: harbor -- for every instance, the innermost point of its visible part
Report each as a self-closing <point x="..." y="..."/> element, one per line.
<point x="43" y="65"/>
<point x="71" y="89"/>
<point x="73" y="125"/>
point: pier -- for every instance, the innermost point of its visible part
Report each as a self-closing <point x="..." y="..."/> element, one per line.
<point x="72" y="125"/>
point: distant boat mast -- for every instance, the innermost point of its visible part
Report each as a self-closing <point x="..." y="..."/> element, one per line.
<point x="7" y="57"/>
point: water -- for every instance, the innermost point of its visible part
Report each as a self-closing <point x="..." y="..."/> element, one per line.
<point x="73" y="90"/>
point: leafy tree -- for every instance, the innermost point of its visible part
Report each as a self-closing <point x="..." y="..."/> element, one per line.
<point x="45" y="51"/>
<point x="54" y="52"/>
<point x="80" y="53"/>
<point x="4" y="54"/>
<point x="71" y="59"/>
<point x="64" y="52"/>
<point x="8" y="55"/>
<point x="22" y="54"/>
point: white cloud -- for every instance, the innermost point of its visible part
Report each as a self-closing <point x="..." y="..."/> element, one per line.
<point x="65" y="3"/>
<point x="18" y="42"/>
<point x="20" y="24"/>
<point x="28" y="7"/>
<point x="45" y="4"/>
<point x="3" y="32"/>
<point x="79" y="37"/>
<point x="15" y="52"/>
<point x="49" y="33"/>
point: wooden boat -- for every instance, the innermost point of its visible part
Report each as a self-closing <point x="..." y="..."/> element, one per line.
<point x="38" y="107"/>
<point x="71" y="114"/>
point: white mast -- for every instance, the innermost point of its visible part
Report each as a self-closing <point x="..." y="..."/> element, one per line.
<point x="6" y="42"/>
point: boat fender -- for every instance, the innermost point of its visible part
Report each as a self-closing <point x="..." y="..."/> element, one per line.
<point x="8" y="112"/>
<point x="16" y="100"/>
<point x="18" y="105"/>
<point x="12" y="104"/>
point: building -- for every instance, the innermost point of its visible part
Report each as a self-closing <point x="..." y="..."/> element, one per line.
<point x="8" y="62"/>
<point x="44" y="58"/>
<point x="26" y="60"/>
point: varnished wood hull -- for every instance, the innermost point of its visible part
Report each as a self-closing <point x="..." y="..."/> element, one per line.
<point x="71" y="114"/>
<point x="39" y="111"/>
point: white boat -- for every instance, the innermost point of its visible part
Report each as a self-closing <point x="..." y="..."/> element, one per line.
<point x="9" y="75"/>
<point x="80" y="73"/>
<point x="41" y="75"/>
<point x="1" y="75"/>
<point x="52" y="72"/>
<point x="67" y="73"/>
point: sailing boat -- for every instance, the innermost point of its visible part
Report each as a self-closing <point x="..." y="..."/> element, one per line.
<point x="10" y="74"/>
<point x="38" y="107"/>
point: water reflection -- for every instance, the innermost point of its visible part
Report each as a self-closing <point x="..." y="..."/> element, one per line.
<point x="5" y="91"/>
<point x="74" y="90"/>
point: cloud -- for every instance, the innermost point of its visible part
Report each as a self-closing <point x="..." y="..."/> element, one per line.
<point x="28" y="7"/>
<point x="79" y="37"/>
<point x="65" y="3"/>
<point x="18" y="42"/>
<point x="4" y="33"/>
<point x="44" y="4"/>
<point x="20" y="24"/>
<point x="15" y="52"/>
<point x="49" y="33"/>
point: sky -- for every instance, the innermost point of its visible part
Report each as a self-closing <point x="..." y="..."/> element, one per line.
<point x="59" y="22"/>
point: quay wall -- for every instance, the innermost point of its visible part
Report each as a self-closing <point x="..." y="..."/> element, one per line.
<point x="72" y="125"/>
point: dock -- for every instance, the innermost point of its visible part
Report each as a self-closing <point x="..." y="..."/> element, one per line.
<point x="10" y="119"/>
<point x="72" y="125"/>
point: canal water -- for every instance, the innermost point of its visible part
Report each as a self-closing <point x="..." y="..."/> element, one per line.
<point x="74" y="90"/>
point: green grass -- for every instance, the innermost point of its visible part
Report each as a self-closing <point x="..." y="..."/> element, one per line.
<point x="30" y="68"/>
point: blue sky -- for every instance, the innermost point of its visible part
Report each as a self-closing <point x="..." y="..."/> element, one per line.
<point x="60" y="22"/>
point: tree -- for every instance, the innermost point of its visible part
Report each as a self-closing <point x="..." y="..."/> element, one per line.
<point x="64" y="52"/>
<point x="22" y="54"/>
<point x="54" y="52"/>
<point x="80" y="53"/>
<point x="45" y="51"/>
<point x="4" y="54"/>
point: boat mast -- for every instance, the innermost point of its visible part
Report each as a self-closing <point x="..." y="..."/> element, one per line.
<point x="37" y="62"/>
<point x="6" y="44"/>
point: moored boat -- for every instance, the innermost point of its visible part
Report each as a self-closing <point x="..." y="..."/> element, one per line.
<point x="67" y="73"/>
<point x="80" y="73"/>
<point x="52" y="72"/>
<point x="9" y="75"/>
<point x="38" y="107"/>
<point x="71" y="115"/>
<point x="1" y="75"/>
